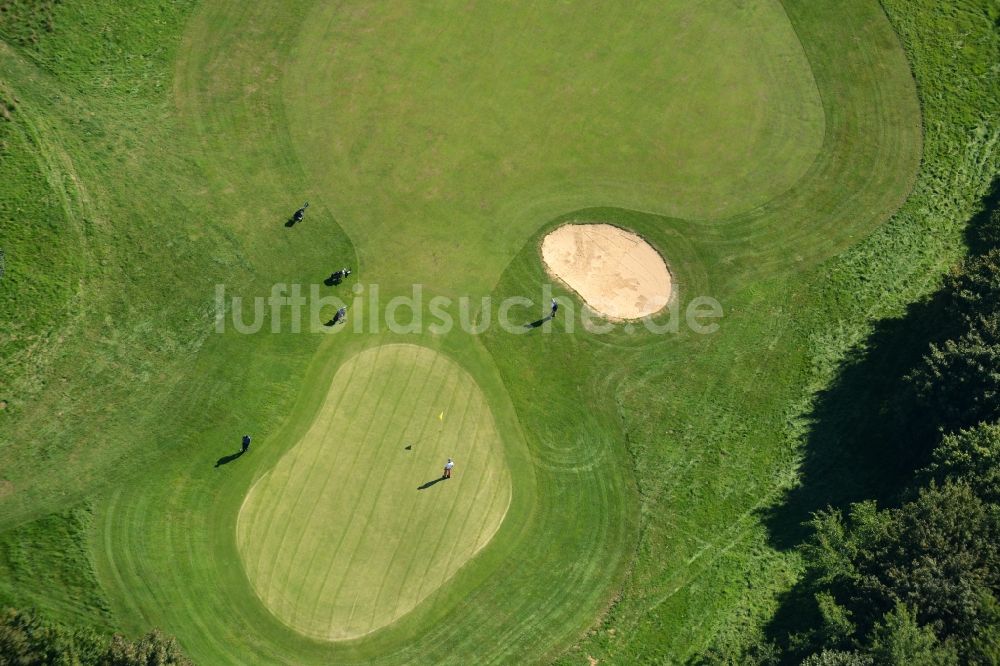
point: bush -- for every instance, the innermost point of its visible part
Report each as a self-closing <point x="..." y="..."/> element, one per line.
<point x="29" y="639"/>
<point x="899" y="641"/>
<point x="837" y="658"/>
<point x="971" y="457"/>
<point x="975" y="289"/>
<point x="26" y="639"/>
<point x="958" y="382"/>
<point x="153" y="649"/>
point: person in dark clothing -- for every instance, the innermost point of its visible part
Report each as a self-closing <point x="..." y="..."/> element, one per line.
<point x="337" y="276"/>
<point x="555" y="307"/>
<point x="340" y="316"/>
<point x="246" y="443"/>
<point x="301" y="212"/>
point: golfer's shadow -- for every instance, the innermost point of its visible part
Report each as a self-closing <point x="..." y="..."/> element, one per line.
<point x="538" y="322"/>
<point x="225" y="460"/>
<point x="430" y="483"/>
<point x="290" y="222"/>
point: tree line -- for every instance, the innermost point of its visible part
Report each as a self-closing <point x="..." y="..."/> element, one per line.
<point x="918" y="581"/>
<point x="30" y="639"/>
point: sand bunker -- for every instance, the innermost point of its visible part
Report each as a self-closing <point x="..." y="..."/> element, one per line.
<point x="615" y="271"/>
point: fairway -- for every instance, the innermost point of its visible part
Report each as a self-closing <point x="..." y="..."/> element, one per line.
<point x="488" y="128"/>
<point x="599" y="476"/>
<point x="354" y="527"/>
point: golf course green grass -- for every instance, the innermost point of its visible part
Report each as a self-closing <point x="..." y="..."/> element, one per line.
<point x="602" y="481"/>
<point x="473" y="133"/>
<point x="338" y="538"/>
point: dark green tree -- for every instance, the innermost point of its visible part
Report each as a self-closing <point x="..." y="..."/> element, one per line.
<point x="941" y="551"/>
<point x="958" y="382"/>
<point x="972" y="457"/>
<point x="984" y="647"/>
<point x="974" y="290"/>
<point x="27" y="639"/>
<point x="153" y="649"/>
<point x="899" y="641"/>
<point x="837" y="658"/>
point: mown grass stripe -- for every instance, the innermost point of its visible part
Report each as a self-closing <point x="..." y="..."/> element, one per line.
<point x="409" y="536"/>
<point x="349" y="531"/>
<point x="443" y="523"/>
<point x="305" y="485"/>
<point x="280" y="495"/>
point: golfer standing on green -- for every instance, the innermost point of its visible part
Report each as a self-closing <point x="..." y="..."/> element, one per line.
<point x="447" y="469"/>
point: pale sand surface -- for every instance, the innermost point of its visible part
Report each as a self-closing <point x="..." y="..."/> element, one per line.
<point x="616" y="272"/>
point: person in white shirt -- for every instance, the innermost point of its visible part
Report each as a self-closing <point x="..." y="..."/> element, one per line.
<point x="447" y="469"/>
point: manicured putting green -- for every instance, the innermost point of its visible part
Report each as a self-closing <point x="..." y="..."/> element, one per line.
<point x="351" y="529"/>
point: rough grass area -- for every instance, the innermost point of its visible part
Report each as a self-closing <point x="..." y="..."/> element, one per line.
<point x="122" y="49"/>
<point x="24" y="22"/>
<point x="41" y="256"/>
<point x="46" y="565"/>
